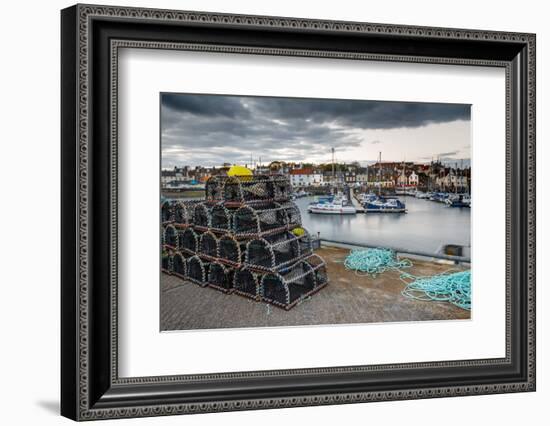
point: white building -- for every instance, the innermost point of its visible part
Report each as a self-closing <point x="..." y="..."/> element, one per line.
<point x="305" y="177"/>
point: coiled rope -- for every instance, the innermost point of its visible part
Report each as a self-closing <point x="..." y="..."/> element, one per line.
<point x="374" y="261"/>
<point x="449" y="287"/>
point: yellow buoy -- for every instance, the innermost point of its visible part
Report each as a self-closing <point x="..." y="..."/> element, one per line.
<point x="298" y="231"/>
<point x="242" y="173"/>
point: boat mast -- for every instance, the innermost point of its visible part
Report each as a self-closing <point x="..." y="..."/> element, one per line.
<point x="333" y="177"/>
<point x="379" y="172"/>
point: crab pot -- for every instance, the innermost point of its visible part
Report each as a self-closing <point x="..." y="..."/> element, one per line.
<point x="260" y="219"/>
<point x="208" y="245"/>
<point x="288" y="287"/>
<point x="170" y="236"/>
<point x="272" y="251"/>
<point x="220" y="218"/>
<point x="201" y="215"/>
<point x="197" y="271"/>
<point x="183" y="212"/>
<point x="220" y="277"/>
<point x="281" y="187"/>
<point x="246" y="283"/>
<point x="166" y="262"/>
<point x="230" y="250"/>
<point x="248" y="189"/>
<point x="214" y="188"/>
<point x="319" y="267"/>
<point x="293" y="216"/>
<point x="189" y="241"/>
<point x="167" y="211"/>
<point x="179" y="265"/>
<point x="306" y="244"/>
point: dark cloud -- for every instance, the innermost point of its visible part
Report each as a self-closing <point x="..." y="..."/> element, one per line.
<point x="199" y="129"/>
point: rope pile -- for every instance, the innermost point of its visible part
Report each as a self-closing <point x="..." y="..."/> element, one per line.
<point x="374" y="261"/>
<point x="454" y="288"/>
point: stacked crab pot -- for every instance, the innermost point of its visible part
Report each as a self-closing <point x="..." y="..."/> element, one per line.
<point x="244" y="238"/>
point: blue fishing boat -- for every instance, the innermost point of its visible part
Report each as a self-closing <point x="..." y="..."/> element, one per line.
<point x="385" y="205"/>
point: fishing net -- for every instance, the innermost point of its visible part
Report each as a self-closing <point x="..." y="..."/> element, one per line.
<point x="220" y="277"/>
<point x="170" y="236"/>
<point x="179" y="265"/>
<point x="208" y="245"/>
<point x="292" y="285"/>
<point x="166" y="262"/>
<point x="197" y="271"/>
<point x="220" y="218"/>
<point x="230" y="250"/>
<point x="272" y="251"/>
<point x="246" y="283"/>
<point x="189" y="241"/>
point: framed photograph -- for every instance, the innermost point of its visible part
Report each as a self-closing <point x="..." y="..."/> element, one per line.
<point x="263" y="212"/>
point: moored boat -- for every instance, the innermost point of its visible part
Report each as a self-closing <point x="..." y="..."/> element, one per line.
<point x="337" y="205"/>
<point x="385" y="205"/>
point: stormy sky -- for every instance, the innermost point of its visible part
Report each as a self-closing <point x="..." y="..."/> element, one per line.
<point x="209" y="130"/>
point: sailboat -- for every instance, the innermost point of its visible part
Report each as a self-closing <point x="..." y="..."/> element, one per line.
<point x="383" y="204"/>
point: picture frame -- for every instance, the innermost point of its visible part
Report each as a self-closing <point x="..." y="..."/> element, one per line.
<point x="90" y="385"/>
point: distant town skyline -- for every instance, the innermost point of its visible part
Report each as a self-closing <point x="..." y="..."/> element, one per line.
<point x="209" y="130"/>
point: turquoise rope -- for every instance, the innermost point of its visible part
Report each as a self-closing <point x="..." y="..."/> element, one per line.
<point x="450" y="286"/>
<point x="374" y="261"/>
<point x="454" y="288"/>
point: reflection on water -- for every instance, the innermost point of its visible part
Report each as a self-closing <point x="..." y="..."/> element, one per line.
<point x="426" y="227"/>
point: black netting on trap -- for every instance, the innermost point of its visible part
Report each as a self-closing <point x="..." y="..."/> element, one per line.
<point x="179" y="265"/>
<point x="183" y="212"/>
<point x="246" y="283"/>
<point x="294" y="218"/>
<point x="197" y="270"/>
<point x="272" y="251"/>
<point x="294" y="283"/>
<point x="220" y="218"/>
<point x="319" y="268"/>
<point x="166" y="262"/>
<point x="305" y="241"/>
<point x="214" y="188"/>
<point x="231" y="250"/>
<point x="170" y="236"/>
<point x="281" y="187"/>
<point x="262" y="218"/>
<point x="244" y="189"/>
<point x="201" y="215"/>
<point x="167" y="211"/>
<point x="189" y="241"/>
<point x="208" y="244"/>
<point x="220" y="276"/>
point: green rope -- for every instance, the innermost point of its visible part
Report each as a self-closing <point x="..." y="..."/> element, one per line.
<point x="454" y="288"/>
<point x="374" y="261"/>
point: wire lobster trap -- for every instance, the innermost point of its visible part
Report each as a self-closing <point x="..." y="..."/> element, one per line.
<point x="188" y="241"/>
<point x="197" y="270"/>
<point x="166" y="261"/>
<point x="247" y="283"/>
<point x="230" y="250"/>
<point x="221" y="218"/>
<point x="170" y="236"/>
<point x="167" y="212"/>
<point x="221" y="277"/>
<point x="183" y="212"/>
<point x="273" y="251"/>
<point x="208" y="245"/>
<point x="214" y="188"/>
<point x="201" y="216"/>
<point x="281" y="187"/>
<point x="250" y="189"/>
<point x="259" y="220"/>
<point x="288" y="287"/>
<point x="179" y="265"/>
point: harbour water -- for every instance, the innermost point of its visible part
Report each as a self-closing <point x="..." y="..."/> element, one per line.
<point x="426" y="227"/>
